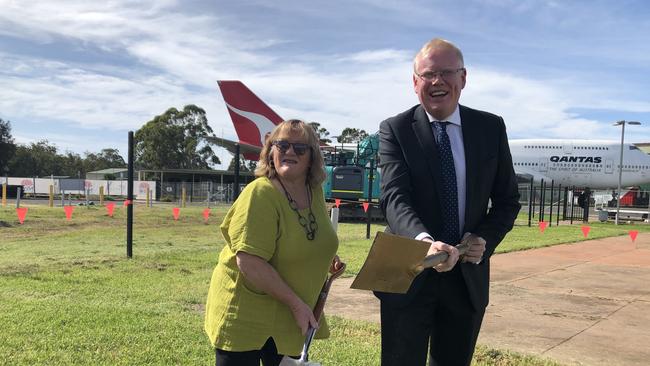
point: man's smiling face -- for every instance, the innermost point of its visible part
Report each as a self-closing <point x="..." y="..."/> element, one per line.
<point x="439" y="96"/>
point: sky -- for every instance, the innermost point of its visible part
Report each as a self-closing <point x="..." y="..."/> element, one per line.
<point x="81" y="74"/>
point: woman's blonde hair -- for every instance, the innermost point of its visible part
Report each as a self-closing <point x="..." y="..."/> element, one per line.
<point x="316" y="170"/>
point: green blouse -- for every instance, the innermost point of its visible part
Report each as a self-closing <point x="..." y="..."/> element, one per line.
<point x="239" y="317"/>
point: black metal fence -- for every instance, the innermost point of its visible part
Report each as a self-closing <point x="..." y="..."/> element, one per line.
<point x="198" y="192"/>
<point x="551" y="203"/>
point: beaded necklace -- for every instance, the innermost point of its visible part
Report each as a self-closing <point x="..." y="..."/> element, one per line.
<point x="310" y="225"/>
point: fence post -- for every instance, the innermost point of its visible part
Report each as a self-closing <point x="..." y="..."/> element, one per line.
<point x="18" y="192"/>
<point x="334" y="217"/>
<point x="566" y="202"/>
<point x="51" y="203"/>
<point x="648" y="219"/>
<point x="530" y="201"/>
<point x="101" y="195"/>
<point x="559" y="192"/>
<point x="550" y="207"/>
<point x="542" y="197"/>
<point x="183" y="196"/>
<point x="147" y="197"/>
<point x="573" y="192"/>
<point x="4" y="194"/>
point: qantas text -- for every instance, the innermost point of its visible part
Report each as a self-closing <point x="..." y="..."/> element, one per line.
<point x="577" y="159"/>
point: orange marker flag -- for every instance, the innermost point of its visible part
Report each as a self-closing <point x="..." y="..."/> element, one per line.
<point x="585" y="230"/>
<point x="21" y="212"/>
<point x="68" y="212"/>
<point x="365" y="207"/>
<point x="633" y="234"/>
<point x="337" y="202"/>
<point x="206" y="215"/>
<point x="176" y="212"/>
<point x="127" y="202"/>
<point x="110" y="207"/>
<point x="542" y="226"/>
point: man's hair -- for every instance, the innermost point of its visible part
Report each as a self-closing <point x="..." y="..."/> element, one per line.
<point x="316" y="170"/>
<point x="437" y="43"/>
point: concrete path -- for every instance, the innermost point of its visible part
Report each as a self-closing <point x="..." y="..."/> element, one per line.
<point x="585" y="303"/>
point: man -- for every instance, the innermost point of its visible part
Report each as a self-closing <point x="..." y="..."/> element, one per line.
<point x="443" y="165"/>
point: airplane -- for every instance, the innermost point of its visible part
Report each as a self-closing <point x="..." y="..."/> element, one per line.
<point x="252" y="118"/>
<point x="578" y="163"/>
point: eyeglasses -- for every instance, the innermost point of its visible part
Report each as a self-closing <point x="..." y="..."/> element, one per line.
<point x="298" y="147"/>
<point x="444" y="74"/>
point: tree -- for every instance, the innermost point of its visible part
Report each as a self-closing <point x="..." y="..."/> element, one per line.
<point x="352" y="135"/>
<point x="7" y="146"/>
<point x="37" y="159"/>
<point x="176" y="139"/>
<point x="242" y="165"/>
<point x="321" y="132"/>
<point x="252" y="165"/>
<point x="72" y="165"/>
<point x="107" y="158"/>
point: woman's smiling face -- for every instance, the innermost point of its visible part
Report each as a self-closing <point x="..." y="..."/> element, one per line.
<point x="290" y="165"/>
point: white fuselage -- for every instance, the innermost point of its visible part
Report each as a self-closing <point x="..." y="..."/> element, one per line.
<point x="580" y="163"/>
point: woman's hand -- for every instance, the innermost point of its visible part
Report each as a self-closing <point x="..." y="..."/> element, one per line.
<point x="303" y="315"/>
<point x="337" y="266"/>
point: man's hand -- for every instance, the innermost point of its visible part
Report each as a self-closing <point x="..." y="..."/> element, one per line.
<point x="476" y="248"/>
<point x="437" y="246"/>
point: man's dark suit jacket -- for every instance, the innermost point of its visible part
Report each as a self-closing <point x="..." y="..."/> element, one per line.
<point x="410" y="182"/>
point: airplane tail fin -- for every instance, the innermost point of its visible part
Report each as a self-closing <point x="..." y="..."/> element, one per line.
<point x="252" y="118"/>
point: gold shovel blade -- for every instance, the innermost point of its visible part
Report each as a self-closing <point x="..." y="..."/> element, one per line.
<point x="392" y="264"/>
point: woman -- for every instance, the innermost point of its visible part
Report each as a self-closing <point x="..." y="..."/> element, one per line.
<point x="279" y="246"/>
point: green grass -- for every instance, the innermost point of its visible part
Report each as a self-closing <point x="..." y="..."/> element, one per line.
<point x="69" y="296"/>
<point x="354" y="245"/>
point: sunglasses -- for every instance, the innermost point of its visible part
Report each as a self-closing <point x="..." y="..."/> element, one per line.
<point x="298" y="147"/>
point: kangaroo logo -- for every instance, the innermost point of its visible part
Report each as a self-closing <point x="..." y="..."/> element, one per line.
<point x="263" y="124"/>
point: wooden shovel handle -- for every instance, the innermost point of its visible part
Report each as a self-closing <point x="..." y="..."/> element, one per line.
<point x="437" y="258"/>
<point x="320" y="303"/>
<point x="434" y="259"/>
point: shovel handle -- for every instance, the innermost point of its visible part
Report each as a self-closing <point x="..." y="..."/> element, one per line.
<point x="437" y="258"/>
<point x="322" y="297"/>
<point x="318" y="311"/>
<point x="434" y="259"/>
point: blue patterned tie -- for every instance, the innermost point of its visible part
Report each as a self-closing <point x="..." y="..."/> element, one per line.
<point x="449" y="193"/>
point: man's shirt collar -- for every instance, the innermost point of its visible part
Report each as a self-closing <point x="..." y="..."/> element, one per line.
<point x="454" y="118"/>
